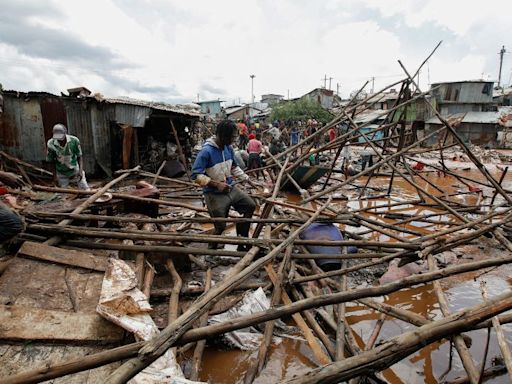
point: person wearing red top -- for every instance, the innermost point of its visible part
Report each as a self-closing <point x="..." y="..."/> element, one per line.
<point x="243" y="131"/>
<point x="332" y="135"/>
<point x="254" y="148"/>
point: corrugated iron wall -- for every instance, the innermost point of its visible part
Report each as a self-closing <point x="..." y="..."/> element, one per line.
<point x="133" y="115"/>
<point x="21" y="129"/>
<point x="79" y="124"/>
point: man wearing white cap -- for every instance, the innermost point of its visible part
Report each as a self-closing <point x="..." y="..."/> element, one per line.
<point x="65" y="153"/>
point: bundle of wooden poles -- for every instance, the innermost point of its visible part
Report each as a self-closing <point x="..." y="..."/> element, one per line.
<point x="276" y="249"/>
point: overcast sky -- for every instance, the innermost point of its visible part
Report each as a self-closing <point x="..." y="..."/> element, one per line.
<point x="175" y="50"/>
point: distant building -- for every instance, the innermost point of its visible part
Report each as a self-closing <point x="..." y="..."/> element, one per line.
<point x="470" y="108"/>
<point x="241" y="112"/>
<point x="324" y="97"/>
<point x="211" y="108"/>
<point x="503" y="96"/>
<point x="271" y="99"/>
<point x="79" y="92"/>
<point x="463" y="96"/>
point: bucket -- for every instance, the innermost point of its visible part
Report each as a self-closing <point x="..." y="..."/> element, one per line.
<point x="328" y="232"/>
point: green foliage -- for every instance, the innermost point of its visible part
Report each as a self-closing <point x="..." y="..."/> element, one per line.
<point x="301" y="109"/>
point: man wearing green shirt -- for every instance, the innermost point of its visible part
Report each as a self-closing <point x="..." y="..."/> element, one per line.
<point x="65" y="153"/>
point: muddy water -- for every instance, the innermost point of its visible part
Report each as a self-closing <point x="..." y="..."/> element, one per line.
<point x="430" y="364"/>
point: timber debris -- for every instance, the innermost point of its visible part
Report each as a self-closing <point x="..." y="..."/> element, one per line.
<point x="132" y="254"/>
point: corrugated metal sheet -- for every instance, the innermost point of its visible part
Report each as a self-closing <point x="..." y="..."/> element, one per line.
<point x="9" y="122"/>
<point x="79" y="125"/>
<point x="131" y="114"/>
<point x="32" y="132"/>
<point x="181" y="109"/>
<point x="471" y="117"/>
<point x="464" y="92"/>
<point x="100" y="122"/>
<point x="53" y="112"/>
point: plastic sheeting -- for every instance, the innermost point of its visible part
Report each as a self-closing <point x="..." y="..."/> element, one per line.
<point x="122" y="303"/>
<point x="247" y="338"/>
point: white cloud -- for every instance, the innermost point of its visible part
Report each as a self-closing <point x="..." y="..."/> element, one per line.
<point x="172" y="50"/>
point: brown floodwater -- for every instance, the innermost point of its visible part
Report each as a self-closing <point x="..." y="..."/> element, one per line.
<point x="431" y="364"/>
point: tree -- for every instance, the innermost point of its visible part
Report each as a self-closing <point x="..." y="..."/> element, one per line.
<point x="301" y="109"/>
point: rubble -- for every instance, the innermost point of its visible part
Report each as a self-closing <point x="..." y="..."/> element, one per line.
<point x="412" y="216"/>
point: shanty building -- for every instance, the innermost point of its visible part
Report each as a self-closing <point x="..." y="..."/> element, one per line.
<point x="241" y="112"/>
<point x="114" y="133"/>
<point x="470" y="108"/>
<point x="463" y="96"/>
<point x="211" y="108"/>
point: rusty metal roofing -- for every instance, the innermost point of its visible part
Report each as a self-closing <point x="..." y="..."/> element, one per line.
<point x="181" y="109"/>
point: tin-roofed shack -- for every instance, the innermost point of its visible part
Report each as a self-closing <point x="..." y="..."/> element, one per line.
<point x="115" y="132"/>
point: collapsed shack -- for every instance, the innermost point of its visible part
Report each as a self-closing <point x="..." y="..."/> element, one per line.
<point x="114" y="133"/>
<point x="413" y="207"/>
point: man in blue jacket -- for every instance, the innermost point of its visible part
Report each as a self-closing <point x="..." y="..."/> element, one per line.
<point x="216" y="169"/>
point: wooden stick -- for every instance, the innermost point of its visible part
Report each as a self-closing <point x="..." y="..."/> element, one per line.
<point x="174" y="300"/>
<point x="502" y="340"/>
<point x="139" y="269"/>
<point x="149" y="275"/>
<point x="255" y="369"/>
<point x="180" y="149"/>
<point x="25" y="164"/>
<point x="341" y="324"/>
<point x="86" y="217"/>
<point x="462" y="349"/>
<point x="83" y="206"/>
<point x="203" y="321"/>
<point x="123" y="196"/>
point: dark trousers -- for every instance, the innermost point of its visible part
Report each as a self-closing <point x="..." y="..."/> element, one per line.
<point x="218" y="205"/>
<point x="366" y="159"/>
<point x="10" y="223"/>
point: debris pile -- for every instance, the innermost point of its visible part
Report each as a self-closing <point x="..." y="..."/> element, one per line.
<point x="138" y="258"/>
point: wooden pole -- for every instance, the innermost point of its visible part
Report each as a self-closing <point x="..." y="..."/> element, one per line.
<point x="198" y="351"/>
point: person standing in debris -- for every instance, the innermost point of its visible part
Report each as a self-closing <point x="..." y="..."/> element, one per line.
<point x="214" y="169"/>
<point x="65" y="154"/>
<point x="254" y="148"/>
<point x="294" y="136"/>
<point x="10" y="223"/>
<point x="366" y="157"/>
<point x="243" y="131"/>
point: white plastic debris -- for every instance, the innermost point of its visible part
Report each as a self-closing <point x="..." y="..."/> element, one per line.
<point x="125" y="305"/>
<point x="247" y="338"/>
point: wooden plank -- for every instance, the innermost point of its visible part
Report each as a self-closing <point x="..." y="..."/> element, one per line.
<point x="63" y="256"/>
<point x="26" y="323"/>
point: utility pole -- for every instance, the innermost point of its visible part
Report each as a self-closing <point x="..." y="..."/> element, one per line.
<point x="501" y="53"/>
<point x="288" y="94"/>
<point x="330" y="78"/>
<point x="338" y="89"/>
<point x="325" y="81"/>
<point x="252" y="88"/>
<point x="373" y="84"/>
